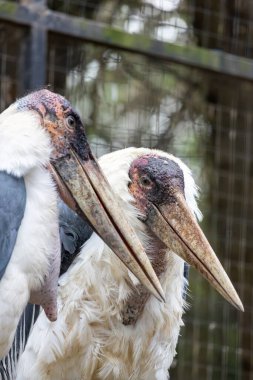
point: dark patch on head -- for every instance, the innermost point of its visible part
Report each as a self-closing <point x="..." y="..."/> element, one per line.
<point x="79" y="140"/>
<point x="155" y="179"/>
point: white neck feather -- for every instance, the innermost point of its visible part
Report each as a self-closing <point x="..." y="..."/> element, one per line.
<point x="24" y="144"/>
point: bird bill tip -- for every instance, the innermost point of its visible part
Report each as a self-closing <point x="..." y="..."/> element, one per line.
<point x="238" y="303"/>
<point x="176" y="226"/>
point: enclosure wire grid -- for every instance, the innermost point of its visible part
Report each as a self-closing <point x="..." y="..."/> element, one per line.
<point x="206" y="119"/>
<point x="11" y="63"/>
<point x="222" y="25"/>
<point x="129" y="100"/>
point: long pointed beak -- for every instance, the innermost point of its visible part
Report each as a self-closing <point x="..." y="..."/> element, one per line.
<point x="84" y="188"/>
<point x="177" y="228"/>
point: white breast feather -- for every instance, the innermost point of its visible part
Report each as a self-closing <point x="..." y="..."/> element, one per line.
<point x="24" y="149"/>
<point x="88" y="341"/>
<point x="36" y="241"/>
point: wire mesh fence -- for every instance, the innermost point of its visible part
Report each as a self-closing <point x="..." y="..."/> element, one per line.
<point x="206" y="119"/>
<point x="225" y="25"/>
<point x="222" y="25"/>
<point x="130" y="100"/>
<point x="12" y="60"/>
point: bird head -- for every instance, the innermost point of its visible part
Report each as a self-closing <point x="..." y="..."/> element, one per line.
<point x="60" y="120"/>
<point x="79" y="179"/>
<point x="164" y="194"/>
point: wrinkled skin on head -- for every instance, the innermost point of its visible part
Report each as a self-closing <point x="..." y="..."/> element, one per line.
<point x="61" y="121"/>
<point x="154" y="179"/>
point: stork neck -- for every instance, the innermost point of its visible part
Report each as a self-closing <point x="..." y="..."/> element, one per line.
<point x="137" y="300"/>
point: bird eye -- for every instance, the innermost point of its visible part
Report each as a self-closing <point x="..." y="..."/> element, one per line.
<point x="71" y="121"/>
<point x="145" y="181"/>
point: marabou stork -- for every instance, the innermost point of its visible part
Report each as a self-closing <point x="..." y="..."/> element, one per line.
<point x="43" y="144"/>
<point x="109" y="327"/>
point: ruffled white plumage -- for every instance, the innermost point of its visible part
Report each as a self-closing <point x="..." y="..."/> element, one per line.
<point x="89" y="340"/>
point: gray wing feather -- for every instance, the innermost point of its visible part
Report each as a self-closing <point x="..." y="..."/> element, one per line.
<point x="74" y="232"/>
<point x="12" y="208"/>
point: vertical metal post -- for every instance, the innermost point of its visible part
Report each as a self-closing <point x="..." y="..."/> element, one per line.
<point x="36" y="58"/>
